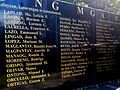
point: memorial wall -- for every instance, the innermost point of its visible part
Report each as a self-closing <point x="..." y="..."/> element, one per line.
<point x="42" y="40"/>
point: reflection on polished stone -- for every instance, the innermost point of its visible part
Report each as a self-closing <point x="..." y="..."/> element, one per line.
<point x="118" y="88"/>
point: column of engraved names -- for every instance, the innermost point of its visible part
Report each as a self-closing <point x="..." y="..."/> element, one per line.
<point x="24" y="52"/>
<point x="15" y="54"/>
<point x="104" y="35"/>
<point x="72" y="38"/>
<point x="35" y="68"/>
